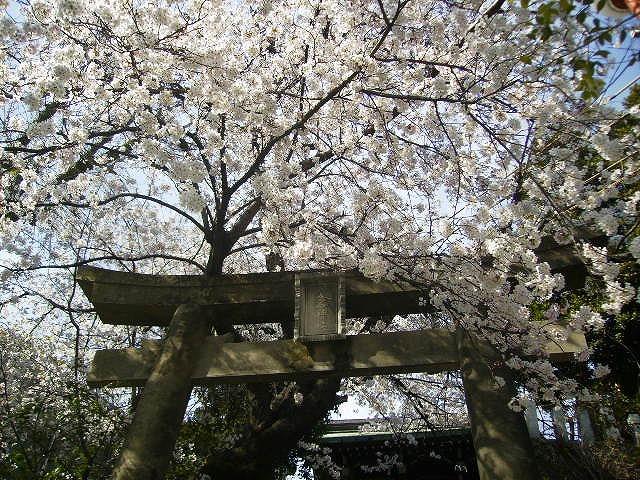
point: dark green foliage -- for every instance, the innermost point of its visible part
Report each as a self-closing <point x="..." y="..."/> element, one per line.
<point x="633" y="98"/>
<point x="221" y="413"/>
<point x="76" y="437"/>
<point x="571" y="461"/>
<point x="589" y="58"/>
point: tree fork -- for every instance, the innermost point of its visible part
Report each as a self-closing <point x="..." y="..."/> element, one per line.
<point x="160" y="411"/>
<point x="266" y="446"/>
<point x="500" y="437"/>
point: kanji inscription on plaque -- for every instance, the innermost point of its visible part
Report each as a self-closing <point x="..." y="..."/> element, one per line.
<point x="319" y="306"/>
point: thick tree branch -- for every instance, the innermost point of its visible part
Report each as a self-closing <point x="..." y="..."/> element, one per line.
<point x="300" y="123"/>
<point x="274" y="434"/>
<point x="108" y="257"/>
<point x="129" y="195"/>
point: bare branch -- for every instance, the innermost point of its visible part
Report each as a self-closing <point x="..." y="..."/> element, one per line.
<point x="129" y="195"/>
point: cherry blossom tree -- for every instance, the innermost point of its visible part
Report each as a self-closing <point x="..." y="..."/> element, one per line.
<point x="423" y="142"/>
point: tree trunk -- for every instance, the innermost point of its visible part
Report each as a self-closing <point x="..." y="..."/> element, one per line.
<point x="160" y="411"/>
<point x="270" y="440"/>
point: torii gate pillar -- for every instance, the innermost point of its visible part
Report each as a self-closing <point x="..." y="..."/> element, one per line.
<point x="159" y="413"/>
<point x="500" y="436"/>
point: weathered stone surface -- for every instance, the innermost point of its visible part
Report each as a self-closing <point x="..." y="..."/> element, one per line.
<point x="564" y="350"/>
<point x="564" y="259"/>
<point x="422" y="351"/>
<point x="500" y="437"/>
<point x="428" y="351"/>
<point x="319" y="306"/>
<point x="124" y="298"/>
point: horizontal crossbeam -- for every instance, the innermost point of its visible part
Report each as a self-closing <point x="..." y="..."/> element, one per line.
<point x="427" y="351"/>
<point x="123" y="298"/>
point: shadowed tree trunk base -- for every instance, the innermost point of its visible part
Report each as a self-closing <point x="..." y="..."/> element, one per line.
<point x="269" y="441"/>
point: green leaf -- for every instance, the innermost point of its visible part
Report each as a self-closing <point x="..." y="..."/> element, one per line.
<point x="524" y="3"/>
<point x="600" y="4"/>
<point x="546" y="32"/>
<point x="546" y="13"/>
<point x="605" y="37"/>
<point x="590" y="87"/>
<point x="578" y="63"/>
<point x="566" y="6"/>
<point x="526" y="59"/>
<point x="582" y="16"/>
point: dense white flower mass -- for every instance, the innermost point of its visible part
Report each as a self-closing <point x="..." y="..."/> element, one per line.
<point x="181" y="136"/>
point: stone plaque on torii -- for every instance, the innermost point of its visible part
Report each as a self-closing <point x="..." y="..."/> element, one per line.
<point x="318" y="303"/>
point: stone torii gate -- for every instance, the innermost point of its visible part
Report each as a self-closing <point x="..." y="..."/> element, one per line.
<point x="319" y="302"/>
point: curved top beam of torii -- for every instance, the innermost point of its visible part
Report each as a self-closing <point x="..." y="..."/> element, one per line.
<point x="123" y="298"/>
